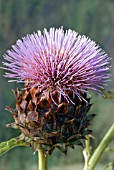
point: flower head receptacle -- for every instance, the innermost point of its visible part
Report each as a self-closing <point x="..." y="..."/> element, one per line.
<point x="50" y="125"/>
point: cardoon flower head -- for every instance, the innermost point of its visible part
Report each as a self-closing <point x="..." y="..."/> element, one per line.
<point x="58" y="60"/>
<point x="58" y="68"/>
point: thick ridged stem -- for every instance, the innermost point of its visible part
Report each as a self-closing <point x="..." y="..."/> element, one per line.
<point x="100" y="149"/>
<point x="42" y="160"/>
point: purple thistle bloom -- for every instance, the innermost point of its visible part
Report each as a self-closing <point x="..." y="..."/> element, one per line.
<point x="58" y="60"/>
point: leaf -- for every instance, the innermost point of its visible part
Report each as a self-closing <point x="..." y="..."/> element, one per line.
<point x="50" y="150"/>
<point x="74" y="137"/>
<point x="14" y="142"/>
<point x="87" y="108"/>
<point x="12" y="125"/>
<point x="78" y="142"/>
<point x="86" y="132"/>
<point x="71" y="146"/>
<point x="61" y="148"/>
<point x="109" y="166"/>
<point x="90" y="117"/>
<point x="108" y="94"/>
<point x="109" y="149"/>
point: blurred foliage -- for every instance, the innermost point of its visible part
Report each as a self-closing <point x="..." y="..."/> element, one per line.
<point x="20" y="17"/>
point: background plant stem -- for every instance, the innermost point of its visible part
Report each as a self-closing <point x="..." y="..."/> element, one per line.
<point x="100" y="149"/>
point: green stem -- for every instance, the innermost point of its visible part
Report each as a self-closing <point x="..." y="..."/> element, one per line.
<point x="42" y="159"/>
<point x="100" y="149"/>
<point x="87" y="151"/>
<point x="88" y="148"/>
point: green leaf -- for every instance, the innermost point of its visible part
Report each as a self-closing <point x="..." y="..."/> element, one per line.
<point x="109" y="166"/>
<point x="14" y="142"/>
<point x="108" y="94"/>
<point x="109" y="149"/>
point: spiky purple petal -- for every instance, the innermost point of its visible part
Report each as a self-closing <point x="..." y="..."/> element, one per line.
<point x="58" y="60"/>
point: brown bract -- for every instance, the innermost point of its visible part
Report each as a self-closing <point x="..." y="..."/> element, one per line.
<point x="38" y="117"/>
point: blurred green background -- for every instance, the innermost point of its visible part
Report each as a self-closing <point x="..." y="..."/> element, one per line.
<point x="94" y="18"/>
